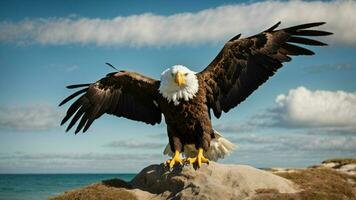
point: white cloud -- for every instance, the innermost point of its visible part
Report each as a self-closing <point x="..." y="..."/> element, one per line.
<point x="135" y="144"/>
<point x="75" y="156"/>
<point x="305" y="108"/>
<point x="210" y="25"/>
<point x="327" y="67"/>
<point x="37" y="117"/>
<point x="72" y="68"/>
<point x="290" y="148"/>
<point x="318" y="111"/>
<point x="236" y="127"/>
<point x="301" y="142"/>
<point x="75" y="162"/>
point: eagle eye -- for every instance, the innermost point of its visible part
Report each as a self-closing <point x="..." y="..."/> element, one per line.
<point x="186" y="74"/>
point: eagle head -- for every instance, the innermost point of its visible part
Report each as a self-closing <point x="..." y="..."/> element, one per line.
<point x="178" y="83"/>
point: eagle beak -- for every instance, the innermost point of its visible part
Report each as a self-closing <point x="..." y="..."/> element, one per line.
<point x="179" y="79"/>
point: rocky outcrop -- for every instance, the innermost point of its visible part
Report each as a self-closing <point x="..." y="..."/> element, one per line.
<point x="333" y="179"/>
<point x="346" y="166"/>
<point x="213" y="181"/>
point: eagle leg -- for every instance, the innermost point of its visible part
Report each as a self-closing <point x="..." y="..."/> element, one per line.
<point x="199" y="159"/>
<point x="176" y="159"/>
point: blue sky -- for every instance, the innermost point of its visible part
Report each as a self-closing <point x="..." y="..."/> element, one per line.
<point x="304" y="114"/>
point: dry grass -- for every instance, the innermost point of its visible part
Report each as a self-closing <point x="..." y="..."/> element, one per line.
<point x="324" y="183"/>
<point x="97" y="191"/>
<point x="316" y="184"/>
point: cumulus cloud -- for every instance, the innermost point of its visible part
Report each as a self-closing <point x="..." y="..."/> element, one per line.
<point x="318" y="111"/>
<point x="305" y="108"/>
<point x="37" y="117"/>
<point x="210" y="25"/>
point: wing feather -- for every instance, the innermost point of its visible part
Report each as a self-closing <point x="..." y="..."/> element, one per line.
<point x="73" y="96"/>
<point x="76" y="117"/>
<point x="306" y="41"/>
<point x="246" y="63"/>
<point x="311" y="33"/>
<point x="295" y="50"/>
<point x="123" y="94"/>
<point x="71" y="110"/>
<point x="77" y="85"/>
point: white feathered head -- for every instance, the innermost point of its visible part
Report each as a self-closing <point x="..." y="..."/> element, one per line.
<point x="178" y="83"/>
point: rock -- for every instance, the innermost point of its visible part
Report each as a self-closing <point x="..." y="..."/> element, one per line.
<point x="329" y="165"/>
<point x="342" y="165"/>
<point x="281" y="170"/>
<point x="213" y="181"/>
<point x="348" y="169"/>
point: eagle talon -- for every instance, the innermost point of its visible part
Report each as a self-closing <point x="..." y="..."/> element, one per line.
<point x="176" y="160"/>
<point x="199" y="159"/>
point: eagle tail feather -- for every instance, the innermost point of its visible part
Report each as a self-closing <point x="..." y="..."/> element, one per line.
<point x="219" y="147"/>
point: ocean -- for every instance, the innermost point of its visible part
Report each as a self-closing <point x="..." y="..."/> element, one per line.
<point x="43" y="186"/>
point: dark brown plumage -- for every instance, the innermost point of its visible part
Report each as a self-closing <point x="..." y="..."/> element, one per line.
<point x="239" y="69"/>
<point x="244" y="64"/>
<point x="116" y="94"/>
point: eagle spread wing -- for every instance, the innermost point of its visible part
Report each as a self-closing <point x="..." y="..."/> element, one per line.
<point x="124" y="94"/>
<point x="244" y="64"/>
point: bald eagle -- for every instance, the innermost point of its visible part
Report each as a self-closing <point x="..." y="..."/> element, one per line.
<point x="186" y="98"/>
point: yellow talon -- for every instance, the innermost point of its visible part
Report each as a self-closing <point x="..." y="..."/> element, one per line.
<point x="174" y="161"/>
<point x="199" y="159"/>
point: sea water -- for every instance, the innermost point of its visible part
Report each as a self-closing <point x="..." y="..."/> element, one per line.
<point x="43" y="186"/>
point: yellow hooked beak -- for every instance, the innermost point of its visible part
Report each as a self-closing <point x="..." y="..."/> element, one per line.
<point x="179" y="79"/>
